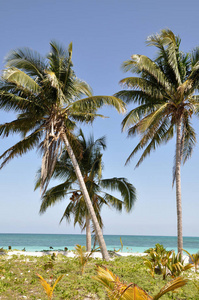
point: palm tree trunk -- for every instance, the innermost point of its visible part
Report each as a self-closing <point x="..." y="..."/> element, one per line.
<point x="178" y="187"/>
<point x="98" y="230"/>
<point x="88" y="234"/>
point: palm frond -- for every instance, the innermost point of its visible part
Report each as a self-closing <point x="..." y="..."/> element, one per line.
<point x="21" y="79"/>
<point x="169" y="40"/>
<point x="135" y="115"/>
<point x="22" y="147"/>
<point x="141" y="63"/>
<point x="153" y="119"/>
<point x="140" y="97"/>
<point x="68" y="212"/>
<point x="113" y="201"/>
<point x="161" y="135"/>
<point x="127" y="190"/>
<point x="171" y="286"/>
<point x="55" y="195"/>
<point x="148" y="88"/>
<point x="82" y="88"/>
<point x="27" y="60"/>
<point x="95" y="102"/>
<point x="189" y="139"/>
<point x="10" y="101"/>
<point x="194" y="55"/>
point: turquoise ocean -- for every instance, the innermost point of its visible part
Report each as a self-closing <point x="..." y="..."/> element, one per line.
<point x="131" y="243"/>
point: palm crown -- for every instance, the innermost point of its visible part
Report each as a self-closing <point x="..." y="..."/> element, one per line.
<point x="165" y="95"/>
<point x="48" y="96"/>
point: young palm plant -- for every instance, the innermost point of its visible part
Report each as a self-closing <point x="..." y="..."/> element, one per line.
<point x="117" y="290"/>
<point x="164" y="94"/>
<point x="91" y="166"/>
<point x="49" y="289"/>
<point x="49" y="99"/>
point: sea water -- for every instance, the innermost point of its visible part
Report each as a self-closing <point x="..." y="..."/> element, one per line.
<point x="131" y="243"/>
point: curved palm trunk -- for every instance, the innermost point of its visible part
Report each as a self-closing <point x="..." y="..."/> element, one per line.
<point x="88" y="234"/>
<point x="98" y="230"/>
<point x="178" y="187"/>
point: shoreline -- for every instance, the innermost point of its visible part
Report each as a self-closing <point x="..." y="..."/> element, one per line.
<point x="71" y="254"/>
<point x="65" y="253"/>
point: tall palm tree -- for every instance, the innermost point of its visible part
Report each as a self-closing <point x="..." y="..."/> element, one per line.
<point x="49" y="99"/>
<point x="164" y="92"/>
<point x="90" y="162"/>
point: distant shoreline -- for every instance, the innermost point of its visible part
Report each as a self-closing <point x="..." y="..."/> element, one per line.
<point x="83" y="234"/>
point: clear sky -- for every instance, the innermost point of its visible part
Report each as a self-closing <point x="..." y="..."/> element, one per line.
<point x="104" y="34"/>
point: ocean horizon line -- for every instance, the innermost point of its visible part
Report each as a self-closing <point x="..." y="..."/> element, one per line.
<point x="106" y="234"/>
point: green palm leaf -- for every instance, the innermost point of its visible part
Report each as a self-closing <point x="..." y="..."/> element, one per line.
<point x="28" y="60"/>
<point x="21" y="79"/>
<point x="22" y="147"/>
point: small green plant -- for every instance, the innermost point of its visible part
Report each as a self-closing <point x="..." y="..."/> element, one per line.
<point x="196" y="283"/>
<point x="121" y="244"/>
<point x="157" y="260"/>
<point x="83" y="256"/>
<point x="159" y="249"/>
<point x="176" y="266"/>
<point x="120" y="249"/>
<point x="117" y="290"/>
<point x="194" y="259"/>
<point x="48" y="289"/>
<point x="3" y="251"/>
<point x="161" y="261"/>
<point x="50" y="263"/>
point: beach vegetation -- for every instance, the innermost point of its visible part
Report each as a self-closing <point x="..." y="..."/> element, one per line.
<point x="176" y="265"/>
<point x="194" y="259"/>
<point x="167" y="263"/>
<point x="83" y="256"/>
<point x="117" y="289"/>
<point x="164" y="91"/>
<point x="196" y="283"/>
<point x="121" y="248"/>
<point x="18" y="278"/>
<point x="47" y="287"/>
<point x="49" y="100"/>
<point x="159" y="249"/>
<point x="50" y="263"/>
<point x="3" y="251"/>
<point x="157" y="262"/>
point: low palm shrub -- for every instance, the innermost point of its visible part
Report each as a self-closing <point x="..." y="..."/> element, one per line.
<point x="161" y="261"/>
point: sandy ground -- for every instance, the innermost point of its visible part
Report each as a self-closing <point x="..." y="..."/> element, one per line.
<point x="66" y="253"/>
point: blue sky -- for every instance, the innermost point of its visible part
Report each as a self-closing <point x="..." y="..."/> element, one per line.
<point x="104" y="34"/>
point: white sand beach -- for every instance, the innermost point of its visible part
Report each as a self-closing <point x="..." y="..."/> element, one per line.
<point x="66" y="253"/>
<point x="72" y="254"/>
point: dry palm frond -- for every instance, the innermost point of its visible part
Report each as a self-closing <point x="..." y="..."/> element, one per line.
<point x="118" y="290"/>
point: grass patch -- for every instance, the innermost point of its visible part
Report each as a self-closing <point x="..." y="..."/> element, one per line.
<point x="18" y="278"/>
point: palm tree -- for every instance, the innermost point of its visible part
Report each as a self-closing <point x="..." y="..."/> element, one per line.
<point x="165" y="96"/>
<point x="90" y="162"/>
<point x="49" y="99"/>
